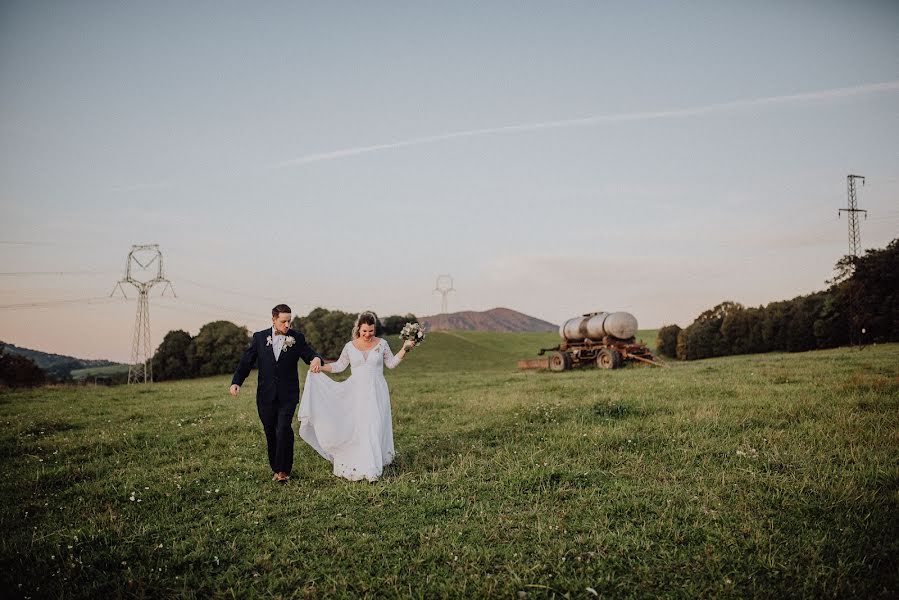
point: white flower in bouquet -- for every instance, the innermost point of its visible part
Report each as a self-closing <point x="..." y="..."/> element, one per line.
<point x="287" y="343"/>
<point x="414" y="332"/>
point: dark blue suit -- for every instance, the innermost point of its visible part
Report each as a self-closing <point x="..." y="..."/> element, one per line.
<point x="278" y="392"/>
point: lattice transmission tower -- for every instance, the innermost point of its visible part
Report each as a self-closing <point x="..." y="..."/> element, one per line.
<point x="143" y="270"/>
<point x="444" y="286"/>
<point x="855" y="329"/>
<point x="853" y="210"/>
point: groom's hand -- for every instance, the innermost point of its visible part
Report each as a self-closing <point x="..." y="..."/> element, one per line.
<point x="235" y="389"/>
<point x="316" y="365"/>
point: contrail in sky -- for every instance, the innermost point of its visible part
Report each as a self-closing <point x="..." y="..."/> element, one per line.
<point x="846" y="92"/>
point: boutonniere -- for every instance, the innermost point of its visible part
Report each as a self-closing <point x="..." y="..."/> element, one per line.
<point x="288" y="342"/>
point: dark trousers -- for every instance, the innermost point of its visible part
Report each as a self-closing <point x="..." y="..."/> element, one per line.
<point x="277" y="421"/>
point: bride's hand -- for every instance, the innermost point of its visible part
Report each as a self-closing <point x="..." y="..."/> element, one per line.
<point x="408" y="345"/>
<point x="316" y="365"/>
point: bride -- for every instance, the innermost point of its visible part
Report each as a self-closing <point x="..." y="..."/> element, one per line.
<point x="349" y="422"/>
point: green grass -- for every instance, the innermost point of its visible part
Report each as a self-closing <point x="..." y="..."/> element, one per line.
<point x="756" y="476"/>
<point x="91" y="372"/>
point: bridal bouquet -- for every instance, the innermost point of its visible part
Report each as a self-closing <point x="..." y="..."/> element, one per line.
<point x="413" y="331"/>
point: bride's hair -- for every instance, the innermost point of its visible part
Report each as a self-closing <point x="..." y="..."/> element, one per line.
<point x="365" y="318"/>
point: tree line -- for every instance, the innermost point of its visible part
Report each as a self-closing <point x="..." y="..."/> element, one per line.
<point x="218" y="346"/>
<point x="19" y="371"/>
<point x="818" y="320"/>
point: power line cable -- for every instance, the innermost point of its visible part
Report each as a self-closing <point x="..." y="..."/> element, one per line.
<point x="181" y="309"/>
<point x="24" y="243"/>
<point x="41" y="273"/>
<point x="96" y="300"/>
<point x="251" y="295"/>
<point x="216" y="307"/>
<point x="222" y="290"/>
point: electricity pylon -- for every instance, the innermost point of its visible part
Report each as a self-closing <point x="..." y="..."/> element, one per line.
<point x="143" y="256"/>
<point x="444" y="286"/>
<point x="852" y="211"/>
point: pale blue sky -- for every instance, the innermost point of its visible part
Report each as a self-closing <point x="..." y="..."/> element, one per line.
<point x="555" y="158"/>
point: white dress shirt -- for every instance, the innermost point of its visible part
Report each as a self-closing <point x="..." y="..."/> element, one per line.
<point x="277" y="342"/>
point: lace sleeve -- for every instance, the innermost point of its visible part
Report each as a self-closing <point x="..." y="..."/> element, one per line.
<point x="390" y="360"/>
<point x="341" y="363"/>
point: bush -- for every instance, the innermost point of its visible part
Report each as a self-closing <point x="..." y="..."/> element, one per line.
<point x="666" y="341"/>
<point x="326" y="330"/>
<point x="737" y="331"/>
<point x="18" y="371"/>
<point x="817" y="320"/>
<point x="329" y="330"/>
<point x="170" y="360"/>
<point x="875" y="282"/>
<point x="217" y="348"/>
<point x="703" y="337"/>
<point x="831" y="328"/>
<point x="395" y="323"/>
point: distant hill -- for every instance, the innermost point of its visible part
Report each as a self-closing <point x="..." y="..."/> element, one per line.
<point x="495" y="319"/>
<point x="57" y="366"/>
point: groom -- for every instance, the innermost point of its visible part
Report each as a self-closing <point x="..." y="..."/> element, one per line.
<point x="277" y="351"/>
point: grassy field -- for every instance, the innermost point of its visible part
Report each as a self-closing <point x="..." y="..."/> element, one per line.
<point x="756" y="476"/>
<point x="89" y="374"/>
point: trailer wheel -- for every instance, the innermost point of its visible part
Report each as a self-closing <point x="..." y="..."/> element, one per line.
<point x="559" y="361"/>
<point x="608" y="358"/>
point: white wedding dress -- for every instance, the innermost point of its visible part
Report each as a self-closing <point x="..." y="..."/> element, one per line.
<point x="349" y="422"/>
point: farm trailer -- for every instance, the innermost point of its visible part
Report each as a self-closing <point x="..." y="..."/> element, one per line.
<point x="604" y="339"/>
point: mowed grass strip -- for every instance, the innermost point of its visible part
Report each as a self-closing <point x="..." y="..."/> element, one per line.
<point x="752" y="476"/>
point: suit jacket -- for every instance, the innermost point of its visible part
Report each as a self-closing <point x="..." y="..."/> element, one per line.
<point x="277" y="379"/>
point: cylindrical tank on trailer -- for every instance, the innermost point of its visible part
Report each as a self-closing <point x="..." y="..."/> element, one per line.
<point x="595" y="326"/>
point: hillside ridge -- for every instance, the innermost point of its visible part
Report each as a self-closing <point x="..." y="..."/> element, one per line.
<point x="496" y="319"/>
<point x="56" y="365"/>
